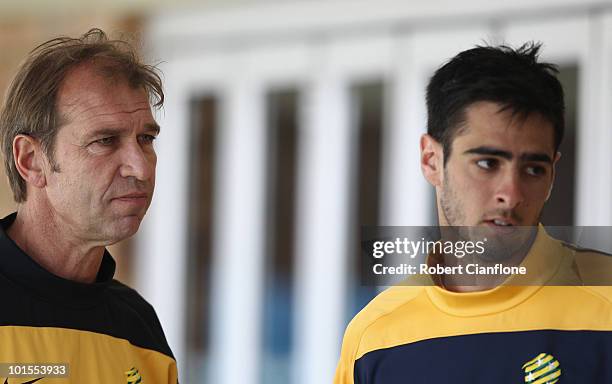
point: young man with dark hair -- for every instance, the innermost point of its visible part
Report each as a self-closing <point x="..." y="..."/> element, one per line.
<point x="495" y="122"/>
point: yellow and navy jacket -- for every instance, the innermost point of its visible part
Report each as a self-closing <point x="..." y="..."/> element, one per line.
<point x="105" y="331"/>
<point x="535" y="334"/>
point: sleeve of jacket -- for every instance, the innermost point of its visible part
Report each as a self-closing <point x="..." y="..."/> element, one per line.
<point x="346" y="365"/>
<point x="359" y="339"/>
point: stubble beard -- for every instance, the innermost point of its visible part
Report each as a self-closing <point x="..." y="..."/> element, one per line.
<point x="451" y="206"/>
<point x="450" y="203"/>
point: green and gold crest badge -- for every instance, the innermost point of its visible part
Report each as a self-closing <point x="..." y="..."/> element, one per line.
<point x="133" y="377"/>
<point x="542" y="369"/>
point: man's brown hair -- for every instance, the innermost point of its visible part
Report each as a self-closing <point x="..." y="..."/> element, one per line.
<point x="30" y="107"/>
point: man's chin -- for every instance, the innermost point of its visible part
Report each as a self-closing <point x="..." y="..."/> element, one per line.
<point x="124" y="227"/>
<point x="502" y="242"/>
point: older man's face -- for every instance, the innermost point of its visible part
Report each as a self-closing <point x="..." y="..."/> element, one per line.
<point x="105" y="157"/>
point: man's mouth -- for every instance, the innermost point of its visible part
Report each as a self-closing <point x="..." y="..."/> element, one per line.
<point x="133" y="196"/>
<point x="501" y="222"/>
<point x="139" y="199"/>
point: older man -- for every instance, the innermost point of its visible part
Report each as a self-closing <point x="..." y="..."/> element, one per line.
<point x="77" y="135"/>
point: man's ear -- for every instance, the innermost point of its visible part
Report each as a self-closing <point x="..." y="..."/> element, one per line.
<point x="29" y="157"/>
<point x="552" y="181"/>
<point x="432" y="160"/>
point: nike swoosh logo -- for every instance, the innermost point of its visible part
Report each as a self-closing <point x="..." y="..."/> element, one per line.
<point x="25" y="382"/>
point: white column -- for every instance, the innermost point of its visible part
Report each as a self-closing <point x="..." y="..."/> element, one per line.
<point x="321" y="228"/>
<point x="606" y="121"/>
<point x="405" y="195"/>
<point x="594" y="159"/>
<point x="161" y="244"/>
<point x="238" y="236"/>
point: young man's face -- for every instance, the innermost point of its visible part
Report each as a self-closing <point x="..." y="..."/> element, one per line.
<point x="500" y="170"/>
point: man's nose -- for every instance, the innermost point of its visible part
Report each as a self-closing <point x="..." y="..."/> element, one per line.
<point x="509" y="192"/>
<point x="136" y="163"/>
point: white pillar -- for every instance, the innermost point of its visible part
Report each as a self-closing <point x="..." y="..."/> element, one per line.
<point x="321" y="229"/>
<point x="594" y="168"/>
<point x="161" y="245"/>
<point x="606" y="121"/>
<point x="238" y="236"/>
<point x="405" y="195"/>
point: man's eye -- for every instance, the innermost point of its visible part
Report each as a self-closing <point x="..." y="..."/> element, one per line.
<point x="106" y="141"/>
<point x="535" y="170"/>
<point x="487" y="164"/>
<point x="146" y="139"/>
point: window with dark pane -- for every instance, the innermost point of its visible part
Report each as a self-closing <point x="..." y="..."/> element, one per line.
<point x="282" y="127"/>
<point x="559" y="209"/>
<point x="367" y="110"/>
<point x="204" y="113"/>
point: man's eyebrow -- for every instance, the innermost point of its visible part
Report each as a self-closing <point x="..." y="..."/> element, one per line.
<point x="153" y="127"/>
<point x="490" y="151"/>
<point x="541" y="157"/>
<point x="106" y="132"/>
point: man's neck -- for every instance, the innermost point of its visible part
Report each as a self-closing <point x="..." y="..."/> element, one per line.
<point x="53" y="245"/>
<point x="486" y="282"/>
